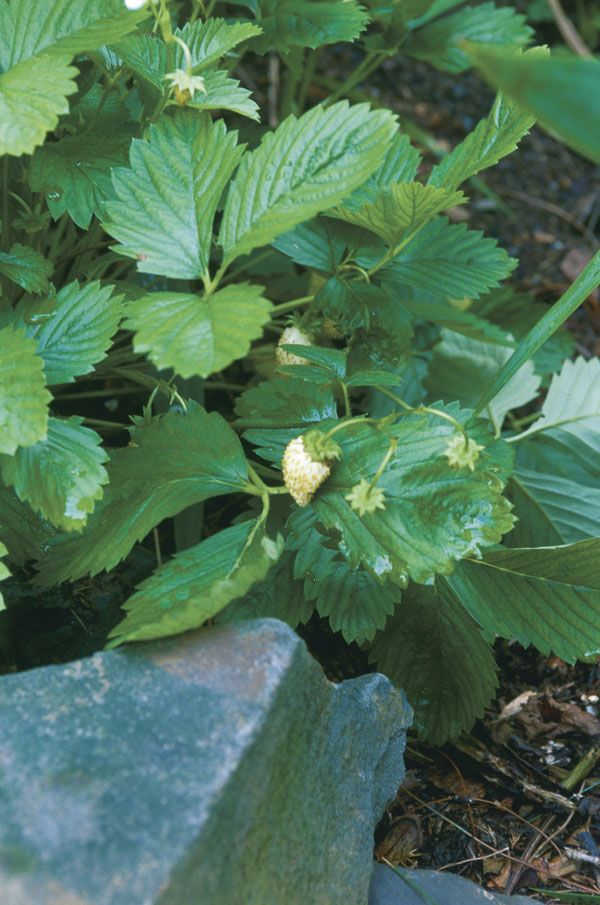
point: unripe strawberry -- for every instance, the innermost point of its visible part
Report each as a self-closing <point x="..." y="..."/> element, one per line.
<point x="302" y="474"/>
<point x="292" y="336"/>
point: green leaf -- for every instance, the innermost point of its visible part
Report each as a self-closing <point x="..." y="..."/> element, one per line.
<point x="24" y="533"/>
<point x="378" y="321"/>
<point x="573" y="399"/>
<point x="285" y="402"/>
<point x="457" y="320"/>
<point x="308" y="23"/>
<point x="198" y="583"/>
<point x="434" y="514"/>
<point x="23" y="395"/>
<point x="460" y="364"/>
<point x="435" y="651"/>
<point x="400" y="164"/>
<point x="556" y="483"/>
<point x="223" y="93"/>
<point x="75" y="172"/>
<point x="195" y="335"/>
<point x="62" y="475"/>
<point x="76" y="335"/>
<point x="586" y="282"/>
<point x="277" y="410"/>
<point x="167" y="200"/>
<point x="561" y="91"/>
<point x="492" y="139"/>
<point x="176" y="461"/>
<point x="548" y="597"/>
<point x="305" y="166"/>
<point x="439" y="42"/>
<point x="448" y="262"/>
<point x="319" y="244"/>
<point x="356" y="604"/>
<point x="33" y="94"/>
<point x="401" y="209"/>
<point x="518" y="312"/>
<point x="552" y="509"/>
<point x="28" y="28"/>
<point x="26" y="267"/>
<point x="209" y="41"/>
<point x="278" y="596"/>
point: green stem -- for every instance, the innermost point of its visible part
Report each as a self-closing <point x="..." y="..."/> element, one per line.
<point x="289" y="306"/>
<point x="309" y="74"/>
<point x="290" y="86"/>
<point x="584" y="285"/>
<point x="108" y="425"/>
<point x="368" y="65"/>
<point x="392" y="449"/>
<point x="346" y="395"/>
<point x="423" y="410"/>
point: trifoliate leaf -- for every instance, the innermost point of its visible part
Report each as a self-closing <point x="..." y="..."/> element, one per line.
<point x="198" y="583"/>
<point x="434" y="514"/>
<point x="302" y="168"/>
<point x="62" y="475"/>
<point x="75" y="172"/>
<point x="438" y="42"/>
<point x="23" y="395"/>
<point x="435" y="651"/>
<point x="308" y="23"/>
<point x="28" y="28"/>
<point x="24" y="533"/>
<point x="447" y="262"/>
<point x="461" y="365"/>
<point x="556" y="482"/>
<point x="33" y="94"/>
<point x="356" y="604"/>
<point x="26" y="267"/>
<point x="400" y="164"/>
<point x="278" y="596"/>
<point x="401" y="209"/>
<point x="195" y="335"/>
<point x="167" y="200"/>
<point x="492" y="139"/>
<point x="548" y="597"/>
<point x="176" y="461"/>
<point x="76" y="335"/>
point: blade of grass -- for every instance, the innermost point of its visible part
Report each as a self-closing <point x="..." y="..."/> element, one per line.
<point x="586" y="282"/>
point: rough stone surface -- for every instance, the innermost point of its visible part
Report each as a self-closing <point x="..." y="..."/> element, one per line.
<point x="387" y="888"/>
<point x="220" y="768"/>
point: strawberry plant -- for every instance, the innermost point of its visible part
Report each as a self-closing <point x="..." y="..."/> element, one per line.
<point x="387" y="432"/>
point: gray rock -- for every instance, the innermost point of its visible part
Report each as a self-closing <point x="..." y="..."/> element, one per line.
<point x="431" y="887"/>
<point x="219" y="768"/>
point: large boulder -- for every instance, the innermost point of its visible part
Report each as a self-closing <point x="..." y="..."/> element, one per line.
<point x="218" y="768"/>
